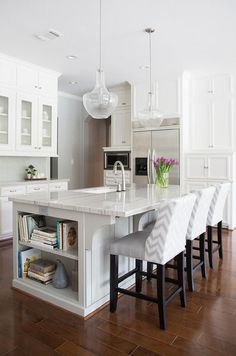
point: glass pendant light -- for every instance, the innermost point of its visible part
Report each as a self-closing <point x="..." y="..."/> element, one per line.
<point x="150" y="111"/>
<point x="100" y="103"/>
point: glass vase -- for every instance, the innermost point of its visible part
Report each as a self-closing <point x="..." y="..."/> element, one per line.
<point x="162" y="179"/>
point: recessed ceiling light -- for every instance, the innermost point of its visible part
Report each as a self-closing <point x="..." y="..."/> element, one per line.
<point x="71" y="56"/>
<point x="73" y="82"/>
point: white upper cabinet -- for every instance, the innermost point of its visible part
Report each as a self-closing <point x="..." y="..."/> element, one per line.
<point x="39" y="82"/>
<point x="7" y="120"/>
<point x="212" y="113"/>
<point x="7" y="73"/>
<point x="28" y="109"/>
<point x="121" y="128"/>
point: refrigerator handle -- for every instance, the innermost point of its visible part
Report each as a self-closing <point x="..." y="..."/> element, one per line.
<point x="152" y="166"/>
<point x="148" y="166"/>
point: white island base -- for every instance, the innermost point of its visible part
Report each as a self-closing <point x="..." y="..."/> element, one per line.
<point x="95" y="233"/>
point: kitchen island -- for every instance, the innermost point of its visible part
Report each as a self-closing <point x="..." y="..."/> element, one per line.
<point x="102" y="215"/>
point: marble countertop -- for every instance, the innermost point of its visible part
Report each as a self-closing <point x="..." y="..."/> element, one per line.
<point x="27" y="182"/>
<point x="133" y="201"/>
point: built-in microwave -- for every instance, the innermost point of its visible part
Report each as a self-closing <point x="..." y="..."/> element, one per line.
<point x="111" y="157"/>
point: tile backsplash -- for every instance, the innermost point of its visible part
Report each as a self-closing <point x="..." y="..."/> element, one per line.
<point x="13" y="168"/>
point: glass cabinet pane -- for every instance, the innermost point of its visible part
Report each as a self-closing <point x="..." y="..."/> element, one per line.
<point x="26" y="123"/>
<point x="4" y="120"/>
<point x="47" y="126"/>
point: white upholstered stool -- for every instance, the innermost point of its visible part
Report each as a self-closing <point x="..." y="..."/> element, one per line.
<point x="159" y="244"/>
<point x="196" y="230"/>
<point x="215" y="217"/>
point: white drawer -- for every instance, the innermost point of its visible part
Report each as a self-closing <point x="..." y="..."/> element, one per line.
<point x="12" y="190"/>
<point x="34" y="188"/>
<point x="110" y="174"/>
<point x="58" y="186"/>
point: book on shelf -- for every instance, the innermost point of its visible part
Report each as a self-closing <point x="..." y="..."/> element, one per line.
<point x="42" y="265"/>
<point x="27" y="223"/>
<point x="40" y="277"/>
<point x="25" y="257"/>
<point x="46" y="231"/>
<point x="42" y="282"/>
<point x="70" y="235"/>
<point x="59" y="234"/>
<point x="49" y="240"/>
<point x="42" y="244"/>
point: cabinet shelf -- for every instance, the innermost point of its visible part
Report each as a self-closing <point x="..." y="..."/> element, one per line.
<point x="66" y="294"/>
<point x="4" y="115"/>
<point x="72" y="254"/>
<point x="25" y="134"/>
<point x="26" y="117"/>
<point x="3" y="132"/>
<point x="47" y="121"/>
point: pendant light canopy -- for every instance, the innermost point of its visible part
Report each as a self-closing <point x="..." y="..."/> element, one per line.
<point x="150" y="111"/>
<point x="100" y="103"/>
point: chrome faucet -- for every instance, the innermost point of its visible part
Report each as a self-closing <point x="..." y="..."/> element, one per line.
<point x="122" y="186"/>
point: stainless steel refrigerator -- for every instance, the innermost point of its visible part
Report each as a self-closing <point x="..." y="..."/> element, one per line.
<point x="148" y="145"/>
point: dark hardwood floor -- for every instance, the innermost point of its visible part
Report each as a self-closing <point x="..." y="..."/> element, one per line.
<point x="206" y="327"/>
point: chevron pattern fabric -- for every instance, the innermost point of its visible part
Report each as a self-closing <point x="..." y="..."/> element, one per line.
<point x="167" y="238"/>
<point x="198" y="220"/>
<point x="216" y="210"/>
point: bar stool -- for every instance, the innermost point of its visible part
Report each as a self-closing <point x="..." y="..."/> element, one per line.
<point x="196" y="231"/>
<point x="215" y="217"/>
<point x="158" y="245"/>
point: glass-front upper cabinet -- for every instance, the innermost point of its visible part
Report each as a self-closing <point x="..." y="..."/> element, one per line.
<point x="27" y="122"/>
<point x="48" y="125"/>
<point x="7" y="120"/>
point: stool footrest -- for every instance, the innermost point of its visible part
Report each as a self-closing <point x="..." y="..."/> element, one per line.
<point x="126" y="275"/>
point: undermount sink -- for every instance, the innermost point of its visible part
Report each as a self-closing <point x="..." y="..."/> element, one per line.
<point x="98" y="190"/>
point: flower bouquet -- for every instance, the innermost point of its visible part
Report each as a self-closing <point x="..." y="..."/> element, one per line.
<point x="162" y="166"/>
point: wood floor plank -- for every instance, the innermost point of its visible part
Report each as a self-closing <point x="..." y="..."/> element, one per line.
<point x="207" y="325"/>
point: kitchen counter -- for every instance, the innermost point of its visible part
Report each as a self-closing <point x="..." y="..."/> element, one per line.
<point x="133" y="201"/>
<point x="101" y="218"/>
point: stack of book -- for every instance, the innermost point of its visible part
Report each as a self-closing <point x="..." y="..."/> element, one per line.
<point x="45" y="236"/>
<point x="27" y="223"/>
<point x="42" y="271"/>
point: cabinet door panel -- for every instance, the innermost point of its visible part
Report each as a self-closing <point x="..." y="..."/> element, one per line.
<point x="201" y="87"/>
<point x="196" y="167"/>
<point x="219" y="167"/>
<point x="7" y="120"/>
<point x="47" y="84"/>
<point x="222" y="123"/>
<point x="26" y="135"/>
<point x="47" y="129"/>
<point x="121" y="128"/>
<point x="7" y="73"/>
<point x="221" y="85"/>
<point x="27" y="78"/>
<point x="200" y="124"/>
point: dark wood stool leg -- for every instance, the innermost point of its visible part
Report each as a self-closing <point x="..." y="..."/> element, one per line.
<point x="180" y="271"/>
<point x="219" y="235"/>
<point x="161" y="295"/>
<point x="209" y="242"/>
<point x="149" y="270"/>
<point x="202" y="254"/>
<point x="138" y="276"/>
<point x="189" y="264"/>
<point x="114" y="260"/>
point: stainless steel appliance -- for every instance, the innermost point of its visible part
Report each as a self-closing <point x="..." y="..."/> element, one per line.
<point x="148" y="145"/>
<point x="111" y="157"/>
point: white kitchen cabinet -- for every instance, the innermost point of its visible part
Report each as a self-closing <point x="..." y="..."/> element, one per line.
<point x="47" y="125"/>
<point x="7" y="120"/>
<point x="212" y="113"/>
<point x="217" y="166"/>
<point x="36" y="81"/>
<point x="121" y="128"/>
<point x="5" y="218"/>
<point x="7" y="73"/>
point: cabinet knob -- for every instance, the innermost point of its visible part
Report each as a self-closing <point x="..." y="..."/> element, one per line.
<point x="205" y="167"/>
<point x="35" y="147"/>
<point x="40" y="88"/>
<point x="39" y="148"/>
<point x="123" y="141"/>
<point x="123" y="103"/>
<point x="36" y="86"/>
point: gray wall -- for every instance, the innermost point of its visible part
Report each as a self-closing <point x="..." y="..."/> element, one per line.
<point x="70" y="140"/>
<point x="13" y="168"/>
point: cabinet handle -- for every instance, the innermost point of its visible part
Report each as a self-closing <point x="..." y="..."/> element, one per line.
<point x="205" y="167"/>
<point x="40" y="88"/>
<point x="211" y="146"/>
<point x="12" y="190"/>
<point x="36" y="86"/>
<point x="39" y="148"/>
<point x="123" y="141"/>
<point x="35" y="147"/>
<point x="36" y="188"/>
<point x="123" y="103"/>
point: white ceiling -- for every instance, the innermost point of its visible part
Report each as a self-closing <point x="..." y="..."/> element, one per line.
<point x="191" y="35"/>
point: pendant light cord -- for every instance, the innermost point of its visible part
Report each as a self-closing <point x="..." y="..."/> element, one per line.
<point x="150" y="63"/>
<point x="100" y="37"/>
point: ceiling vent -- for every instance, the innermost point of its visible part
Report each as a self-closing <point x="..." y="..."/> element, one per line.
<point x="50" y="35"/>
